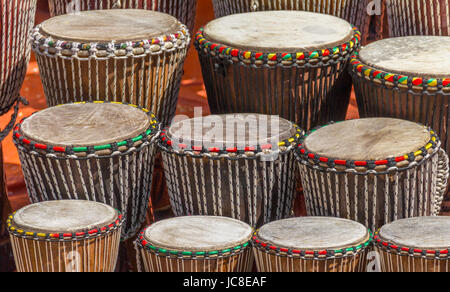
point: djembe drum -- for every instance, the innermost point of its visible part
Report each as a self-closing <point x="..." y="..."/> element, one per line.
<point x="392" y="81"/>
<point x="240" y="166"/>
<point x="127" y="55"/>
<point x="373" y="171"/>
<point x="196" y="244"/>
<point x="251" y="64"/>
<point x="183" y="10"/>
<point x="65" y="236"/>
<point x="414" y="245"/>
<point x="418" y="17"/>
<point x="17" y="19"/>
<point x="354" y="11"/>
<point x="93" y="151"/>
<point x="312" y="244"/>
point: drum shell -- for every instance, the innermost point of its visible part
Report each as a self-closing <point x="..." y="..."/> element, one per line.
<point x="239" y="262"/>
<point x="121" y="181"/>
<point x="394" y="262"/>
<point x="418" y="17"/>
<point x="269" y="261"/>
<point x="373" y="199"/>
<point x="308" y="95"/>
<point x="354" y="12"/>
<point x="90" y="255"/>
<point x="205" y="186"/>
<point x="428" y="107"/>
<point x="183" y="10"/>
<point x="151" y="81"/>
<point x="17" y="18"/>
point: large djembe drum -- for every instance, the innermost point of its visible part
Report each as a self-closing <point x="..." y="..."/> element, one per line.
<point x="415" y="245"/>
<point x="406" y="78"/>
<point x="196" y="244"/>
<point x="354" y="11"/>
<point x="17" y="20"/>
<point x="373" y="171"/>
<point x="92" y="151"/>
<point x="65" y="236"/>
<point x="312" y="244"/>
<point x="133" y="56"/>
<point x="418" y="17"/>
<point x="251" y="64"/>
<point x="240" y="166"/>
<point x="183" y="10"/>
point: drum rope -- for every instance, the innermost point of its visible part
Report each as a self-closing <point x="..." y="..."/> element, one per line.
<point x="5" y="132"/>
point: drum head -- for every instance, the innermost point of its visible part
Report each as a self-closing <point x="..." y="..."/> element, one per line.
<point x="422" y="233"/>
<point x="414" y="56"/>
<point x="368" y="139"/>
<point x="119" y="25"/>
<point x="314" y="233"/>
<point x="198" y="233"/>
<point x="279" y="31"/>
<point x="64" y="216"/>
<point x="234" y="130"/>
<point x="90" y="124"/>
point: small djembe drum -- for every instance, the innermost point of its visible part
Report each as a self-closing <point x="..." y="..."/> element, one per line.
<point x="392" y="81"/>
<point x="312" y="244"/>
<point x="418" y="17"/>
<point x="196" y="244"/>
<point x="354" y="11"/>
<point x="127" y="55"/>
<point x="373" y="171"/>
<point x="17" y="19"/>
<point x="65" y="236"/>
<point x="183" y="10"/>
<point x="240" y="166"/>
<point x="251" y="65"/>
<point x="93" y="151"/>
<point x="414" y="245"/>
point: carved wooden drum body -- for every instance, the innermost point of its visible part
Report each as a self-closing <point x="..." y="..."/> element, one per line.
<point x="127" y="55"/>
<point x="183" y="10"/>
<point x="251" y="64"/>
<point x="65" y="236"/>
<point x="415" y="245"/>
<point x="354" y="11"/>
<point x="240" y="166"/>
<point x="92" y="151"/>
<point x="196" y="244"/>
<point x="418" y="17"/>
<point x="17" y="20"/>
<point x="406" y="78"/>
<point x="312" y="244"/>
<point x="373" y="171"/>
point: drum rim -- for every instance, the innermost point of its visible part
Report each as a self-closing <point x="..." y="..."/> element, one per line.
<point x="214" y="254"/>
<point x="155" y="46"/>
<point x="232" y="153"/>
<point x="325" y="254"/>
<point x="396" y="80"/>
<point x="150" y="134"/>
<point x="392" y="248"/>
<point x="315" y="160"/>
<point x="272" y="59"/>
<point x="64" y="237"/>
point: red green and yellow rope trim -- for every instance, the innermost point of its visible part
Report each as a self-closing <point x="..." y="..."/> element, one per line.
<point x="63" y="236"/>
<point x="201" y="43"/>
<point x="143" y="243"/>
<point x="152" y="130"/>
<point x="200" y="149"/>
<point x="414" y="252"/>
<point x="305" y="155"/>
<point x="372" y="73"/>
<point x="311" y="254"/>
